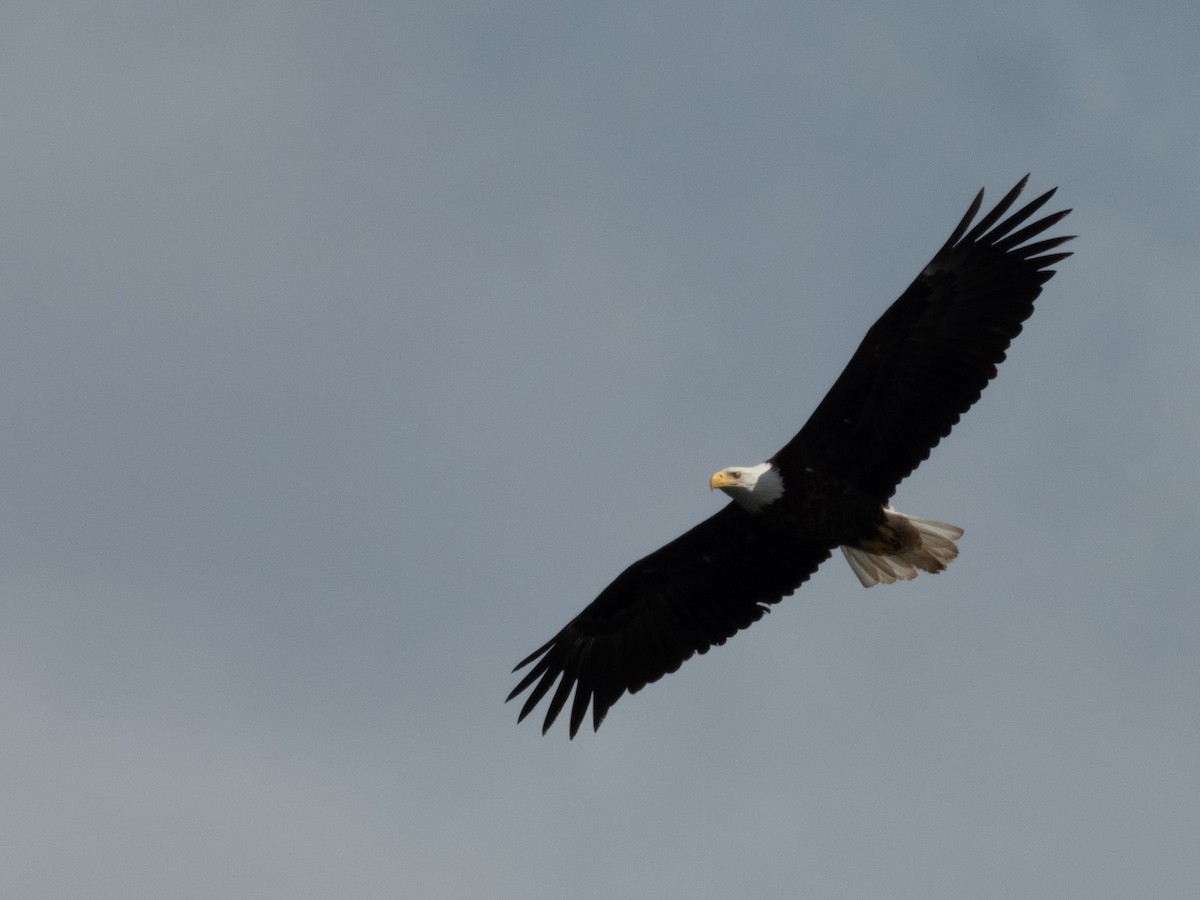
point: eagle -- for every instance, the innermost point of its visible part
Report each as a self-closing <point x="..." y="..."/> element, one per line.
<point x="919" y="368"/>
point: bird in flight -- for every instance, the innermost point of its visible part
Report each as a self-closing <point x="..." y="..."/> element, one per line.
<point x="920" y="367"/>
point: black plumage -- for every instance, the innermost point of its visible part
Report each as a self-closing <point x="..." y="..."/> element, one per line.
<point x="919" y="368"/>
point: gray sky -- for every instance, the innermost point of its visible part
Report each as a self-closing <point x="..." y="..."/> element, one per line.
<point x="350" y="349"/>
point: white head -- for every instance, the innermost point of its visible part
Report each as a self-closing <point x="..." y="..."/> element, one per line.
<point x="753" y="487"/>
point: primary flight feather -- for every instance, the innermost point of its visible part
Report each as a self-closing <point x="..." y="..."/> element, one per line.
<point x="920" y="367"/>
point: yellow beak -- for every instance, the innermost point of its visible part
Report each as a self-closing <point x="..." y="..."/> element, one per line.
<point x="721" y="479"/>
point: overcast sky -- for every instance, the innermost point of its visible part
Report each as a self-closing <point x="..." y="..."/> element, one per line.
<point x="348" y="350"/>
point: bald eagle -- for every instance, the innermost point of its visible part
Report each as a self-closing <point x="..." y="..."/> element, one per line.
<point x="920" y="367"/>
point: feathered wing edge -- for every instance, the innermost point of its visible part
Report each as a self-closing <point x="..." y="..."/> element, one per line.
<point x="1003" y="238"/>
<point x="833" y="438"/>
<point x="564" y="660"/>
<point x="996" y="213"/>
<point x="600" y="671"/>
<point x="693" y="593"/>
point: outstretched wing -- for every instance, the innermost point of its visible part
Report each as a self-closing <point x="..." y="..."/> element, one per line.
<point x="694" y="593"/>
<point x="929" y="357"/>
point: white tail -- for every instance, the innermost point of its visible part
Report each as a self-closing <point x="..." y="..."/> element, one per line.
<point x="931" y="553"/>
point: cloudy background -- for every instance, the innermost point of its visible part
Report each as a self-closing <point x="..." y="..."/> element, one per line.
<point x="349" y="349"/>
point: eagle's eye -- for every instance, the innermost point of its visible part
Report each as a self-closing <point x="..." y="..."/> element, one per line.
<point x="736" y="474"/>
